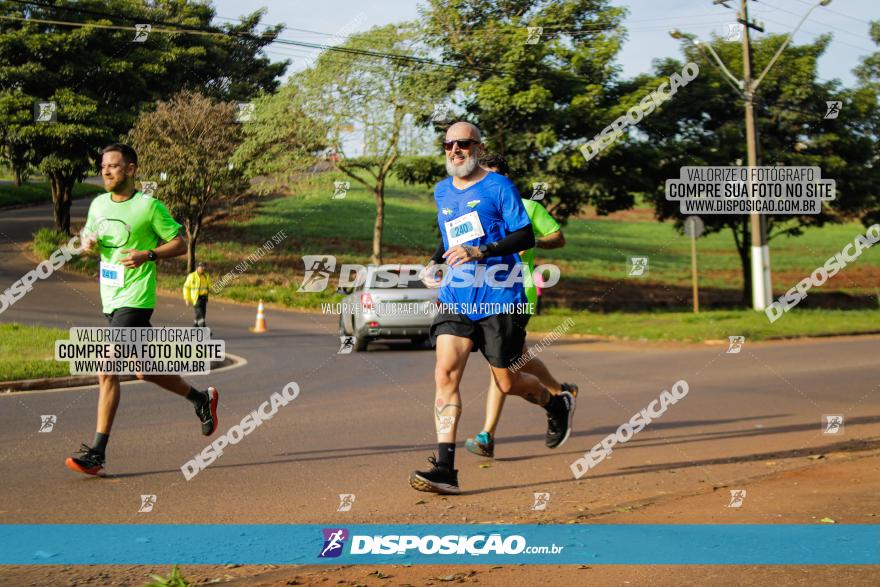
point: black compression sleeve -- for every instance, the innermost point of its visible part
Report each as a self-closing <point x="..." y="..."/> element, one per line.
<point x="516" y="241"/>
<point x="437" y="257"/>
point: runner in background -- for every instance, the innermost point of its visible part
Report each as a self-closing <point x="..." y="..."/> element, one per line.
<point x="548" y="235"/>
<point x="195" y="292"/>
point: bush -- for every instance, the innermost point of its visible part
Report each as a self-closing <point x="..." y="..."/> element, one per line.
<point x="48" y="240"/>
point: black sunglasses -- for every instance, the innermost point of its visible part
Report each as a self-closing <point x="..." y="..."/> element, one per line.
<point x="462" y="144"/>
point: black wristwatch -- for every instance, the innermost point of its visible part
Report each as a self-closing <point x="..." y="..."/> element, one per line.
<point x="151" y="255"/>
<point x="484" y="249"/>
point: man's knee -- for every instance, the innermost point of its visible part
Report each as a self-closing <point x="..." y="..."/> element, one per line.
<point x="505" y="380"/>
<point x="446" y="377"/>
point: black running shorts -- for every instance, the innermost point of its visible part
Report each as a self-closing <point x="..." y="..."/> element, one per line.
<point x="500" y="337"/>
<point x="130" y="318"/>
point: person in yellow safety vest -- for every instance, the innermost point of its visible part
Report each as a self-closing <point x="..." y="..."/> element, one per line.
<point x="195" y="292"/>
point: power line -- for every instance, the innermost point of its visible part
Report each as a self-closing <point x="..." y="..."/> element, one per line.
<point x="285" y="43"/>
<point x="859" y="35"/>
<point x="817" y="34"/>
<point x="212" y="31"/>
<point x="517" y="30"/>
<point x="836" y="12"/>
<point x="216" y="32"/>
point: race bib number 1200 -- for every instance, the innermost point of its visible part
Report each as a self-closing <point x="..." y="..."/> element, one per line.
<point x="463" y="229"/>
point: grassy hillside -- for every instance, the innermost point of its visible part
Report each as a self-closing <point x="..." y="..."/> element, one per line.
<point x="594" y="286"/>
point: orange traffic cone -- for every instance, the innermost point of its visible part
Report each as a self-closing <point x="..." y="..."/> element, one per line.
<point x="260" y="324"/>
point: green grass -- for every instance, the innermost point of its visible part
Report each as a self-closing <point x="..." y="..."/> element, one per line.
<point x="40" y="193"/>
<point x="48" y="240"/>
<point x="596" y="250"/>
<point x="322" y="225"/>
<point x="600" y="248"/>
<point x="710" y="325"/>
<point x="175" y="579"/>
<point x="27" y="352"/>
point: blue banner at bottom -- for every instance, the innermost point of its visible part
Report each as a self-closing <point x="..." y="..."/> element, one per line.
<point x="597" y="544"/>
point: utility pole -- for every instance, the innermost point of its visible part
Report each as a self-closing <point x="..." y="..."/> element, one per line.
<point x="762" y="291"/>
<point x="746" y="88"/>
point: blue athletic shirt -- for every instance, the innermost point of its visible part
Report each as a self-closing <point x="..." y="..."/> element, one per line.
<point x="492" y="206"/>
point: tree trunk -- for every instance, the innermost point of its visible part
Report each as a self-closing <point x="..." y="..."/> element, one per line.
<point x="192" y="235"/>
<point x="743" y="247"/>
<point x="16" y="171"/>
<point x="62" y="198"/>
<point x="379" y="195"/>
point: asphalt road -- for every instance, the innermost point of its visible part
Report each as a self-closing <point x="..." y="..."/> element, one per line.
<point x="363" y="421"/>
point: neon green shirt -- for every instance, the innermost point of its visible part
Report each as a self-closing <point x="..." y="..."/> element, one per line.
<point x="140" y="223"/>
<point x="543" y="224"/>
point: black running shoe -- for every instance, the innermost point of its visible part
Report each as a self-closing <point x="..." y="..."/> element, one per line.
<point x="438" y="480"/>
<point x="560" y="412"/>
<point x="89" y="461"/>
<point x="207" y="412"/>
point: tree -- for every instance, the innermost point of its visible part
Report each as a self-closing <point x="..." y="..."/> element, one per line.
<point x="536" y="102"/>
<point x="281" y="143"/>
<point x="100" y="78"/>
<point x="189" y="141"/>
<point x="703" y="124"/>
<point x="377" y="96"/>
<point x="865" y="104"/>
<point x="15" y="149"/>
<point x="424" y="170"/>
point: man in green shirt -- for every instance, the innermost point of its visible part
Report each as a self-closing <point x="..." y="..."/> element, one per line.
<point x="548" y="235"/>
<point x="126" y="227"/>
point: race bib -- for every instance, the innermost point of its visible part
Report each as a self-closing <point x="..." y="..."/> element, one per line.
<point x="463" y="229"/>
<point x="112" y="275"/>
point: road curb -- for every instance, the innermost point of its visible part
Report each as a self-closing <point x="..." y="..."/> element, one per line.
<point x="55" y="383"/>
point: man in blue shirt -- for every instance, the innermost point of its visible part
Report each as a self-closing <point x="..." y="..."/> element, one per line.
<point x="483" y="304"/>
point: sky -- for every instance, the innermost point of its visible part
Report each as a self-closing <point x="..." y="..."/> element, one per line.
<point x="648" y="25"/>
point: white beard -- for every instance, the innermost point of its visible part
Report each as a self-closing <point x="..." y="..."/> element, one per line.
<point x="463" y="170"/>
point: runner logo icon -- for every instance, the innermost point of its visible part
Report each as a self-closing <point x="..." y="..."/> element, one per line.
<point x="147" y="503"/>
<point x="141" y="32"/>
<point x="318" y="270"/>
<point x="833" y="424"/>
<point x="736" y="343"/>
<point x="45" y="112"/>
<point x="734" y="32"/>
<point x="833" y="109"/>
<point x="47" y="423"/>
<point x="346" y="344"/>
<point x="638" y="266"/>
<point x="541" y="501"/>
<point x="340" y="188"/>
<point x="539" y="190"/>
<point x="346" y="501"/>
<point x="737" y="497"/>
<point x="334" y="541"/>
<point x="534" y="35"/>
